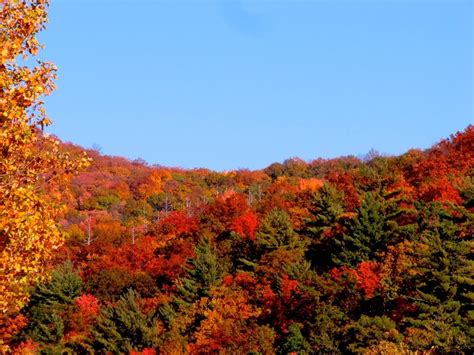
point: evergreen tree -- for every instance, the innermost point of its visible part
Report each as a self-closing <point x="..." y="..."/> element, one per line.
<point x="123" y="327"/>
<point x="319" y="320"/>
<point x="295" y="342"/>
<point x="375" y="227"/>
<point x="440" y="287"/>
<point x="324" y="226"/>
<point x="274" y="239"/>
<point x="326" y="327"/>
<point x="276" y="231"/>
<point x="51" y="305"/>
<point x="370" y="331"/>
<point x="326" y="321"/>
<point x="203" y="272"/>
<point x="326" y="208"/>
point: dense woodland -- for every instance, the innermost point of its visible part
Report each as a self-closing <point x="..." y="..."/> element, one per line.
<point x="104" y="255"/>
<point x="333" y="255"/>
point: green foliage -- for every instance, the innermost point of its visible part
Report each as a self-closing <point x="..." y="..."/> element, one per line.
<point x="324" y="226"/>
<point x="326" y="320"/>
<point x="467" y="192"/>
<point x="372" y="231"/>
<point x="124" y="327"/>
<point x="51" y="305"/>
<point x="156" y="201"/>
<point x="441" y="282"/>
<point x="326" y="327"/>
<point x="137" y="208"/>
<point x="203" y="272"/>
<point x="276" y="231"/>
<point x="369" y="331"/>
<point x="327" y="206"/>
<point x="295" y="342"/>
<point x="104" y="199"/>
<point x="277" y="246"/>
<point x="166" y="202"/>
<point x="378" y="172"/>
<point x="167" y="314"/>
<point x="65" y="285"/>
<point x="144" y="284"/>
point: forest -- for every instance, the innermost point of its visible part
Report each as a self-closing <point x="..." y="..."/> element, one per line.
<point x="105" y="255"/>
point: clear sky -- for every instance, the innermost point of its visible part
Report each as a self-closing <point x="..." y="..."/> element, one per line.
<point x="241" y="84"/>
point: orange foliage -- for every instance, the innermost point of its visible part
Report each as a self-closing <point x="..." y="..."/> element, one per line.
<point x="88" y="306"/>
<point x="146" y="351"/>
<point x="311" y="184"/>
<point x="288" y="287"/>
<point x="178" y="224"/>
<point x="12" y="326"/>
<point x="345" y="182"/>
<point x="28" y="347"/>
<point x="366" y="277"/>
<point x="225" y="325"/>
<point x="245" y="225"/>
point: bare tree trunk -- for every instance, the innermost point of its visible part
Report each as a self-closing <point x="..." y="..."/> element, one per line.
<point x="90" y="237"/>
<point x="89" y="234"/>
<point x="188" y="206"/>
<point x="166" y="205"/>
<point x="145" y="221"/>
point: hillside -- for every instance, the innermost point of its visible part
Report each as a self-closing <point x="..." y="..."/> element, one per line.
<point x="103" y="255"/>
<point x="340" y="255"/>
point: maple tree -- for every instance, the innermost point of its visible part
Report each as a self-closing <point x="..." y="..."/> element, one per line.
<point x="30" y="160"/>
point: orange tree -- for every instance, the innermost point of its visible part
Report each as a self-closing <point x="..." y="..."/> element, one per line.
<point x="29" y="160"/>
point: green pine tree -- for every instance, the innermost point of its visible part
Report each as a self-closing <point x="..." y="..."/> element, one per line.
<point x="50" y="307"/>
<point x="124" y="327"/>
<point x="327" y="206"/>
<point x="373" y="230"/>
<point x="50" y="302"/>
<point x="370" y="331"/>
<point x="443" y="309"/>
<point x="295" y="341"/>
<point x="203" y="272"/>
<point x="276" y="231"/>
<point x="324" y="226"/>
<point x="440" y="283"/>
<point x="63" y="288"/>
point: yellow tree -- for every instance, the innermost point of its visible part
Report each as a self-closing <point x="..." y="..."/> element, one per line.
<point x="29" y="159"/>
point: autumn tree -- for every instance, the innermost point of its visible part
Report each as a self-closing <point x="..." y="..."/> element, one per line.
<point x="29" y="160"/>
<point x="230" y="325"/>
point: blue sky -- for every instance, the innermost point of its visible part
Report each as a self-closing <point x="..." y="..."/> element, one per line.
<point x="242" y="84"/>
